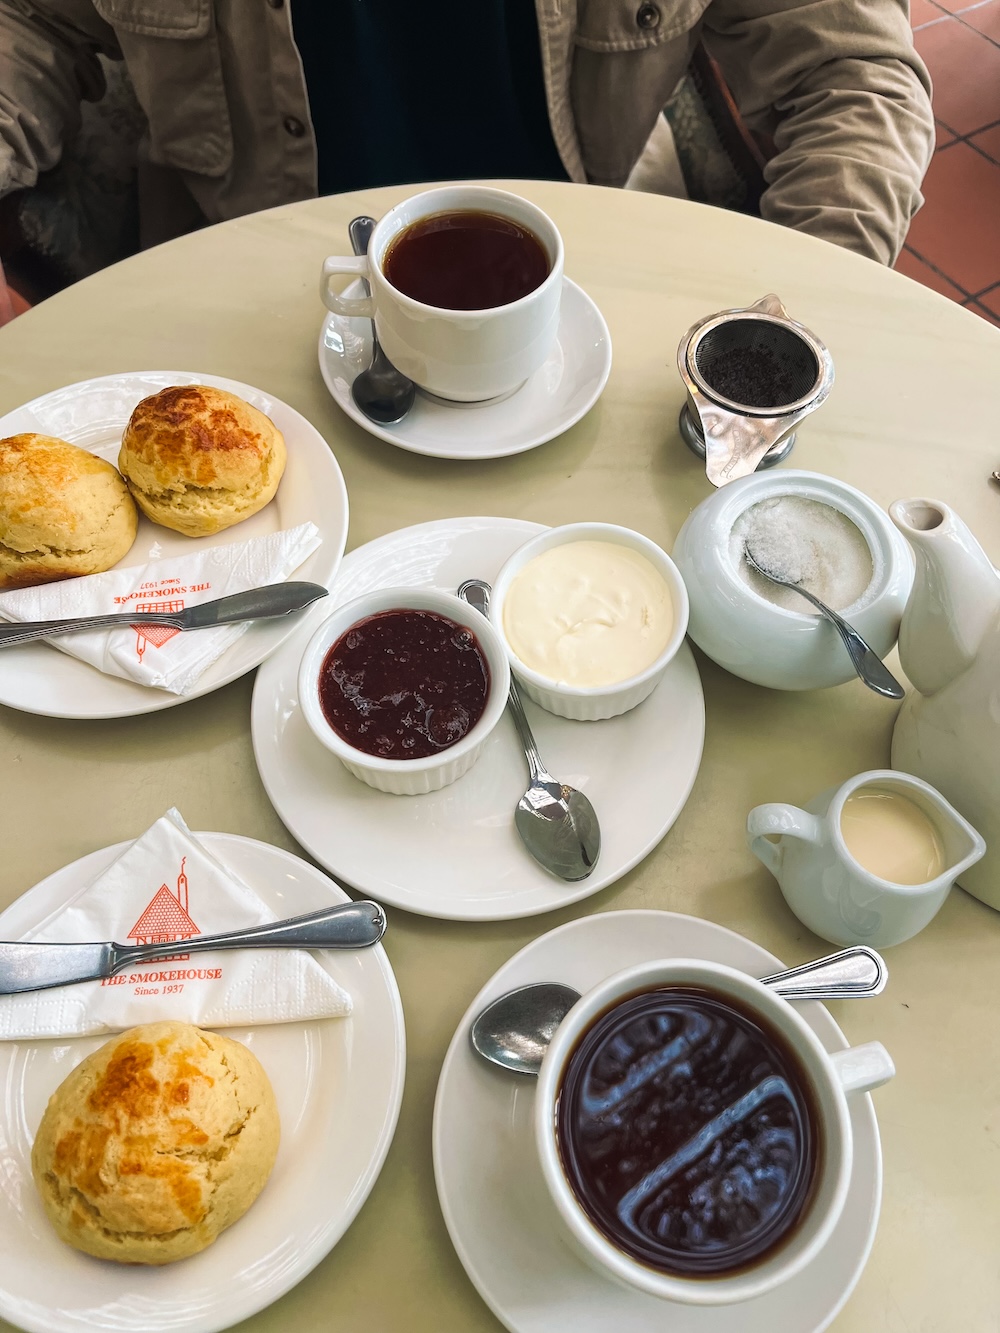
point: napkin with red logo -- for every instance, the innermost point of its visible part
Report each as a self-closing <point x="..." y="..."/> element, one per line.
<point x="158" y="655"/>
<point x="167" y="886"/>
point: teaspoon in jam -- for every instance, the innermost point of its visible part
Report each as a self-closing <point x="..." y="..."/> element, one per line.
<point x="557" y="823"/>
<point x="514" y="1030"/>
<point x="381" y="392"/>
<point x="867" y="663"/>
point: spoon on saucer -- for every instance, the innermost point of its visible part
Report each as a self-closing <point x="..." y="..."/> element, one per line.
<point x="557" y="823"/>
<point x="382" y="392"/>
<point x="514" y="1030"/>
<point x="867" y="663"/>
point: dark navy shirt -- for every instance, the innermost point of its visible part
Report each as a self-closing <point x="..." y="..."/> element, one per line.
<point x="403" y="91"/>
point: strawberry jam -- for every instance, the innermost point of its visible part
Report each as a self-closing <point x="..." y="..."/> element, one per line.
<point x="404" y="684"/>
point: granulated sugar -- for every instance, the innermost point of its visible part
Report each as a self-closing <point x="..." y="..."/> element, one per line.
<point x="807" y="542"/>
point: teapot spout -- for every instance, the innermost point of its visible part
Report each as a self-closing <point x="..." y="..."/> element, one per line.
<point x="955" y="596"/>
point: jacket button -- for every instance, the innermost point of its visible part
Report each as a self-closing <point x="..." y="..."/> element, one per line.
<point x="276" y="4"/>
<point x="294" y="127"/>
<point x="648" y="16"/>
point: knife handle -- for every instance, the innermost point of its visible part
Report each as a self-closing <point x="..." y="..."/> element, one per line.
<point x="349" y="926"/>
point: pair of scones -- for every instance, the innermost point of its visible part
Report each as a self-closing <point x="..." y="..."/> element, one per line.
<point x="155" y="1144"/>
<point x="193" y="458"/>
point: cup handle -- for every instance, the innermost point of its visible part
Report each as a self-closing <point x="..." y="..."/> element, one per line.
<point x="787" y="820"/>
<point x="863" y="1067"/>
<point x="361" y="307"/>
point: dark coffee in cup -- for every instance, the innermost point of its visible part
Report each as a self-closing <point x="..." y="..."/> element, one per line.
<point x="466" y="260"/>
<point x="689" y="1132"/>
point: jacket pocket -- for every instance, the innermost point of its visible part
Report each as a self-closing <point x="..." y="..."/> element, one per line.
<point x="171" y="49"/>
<point x="607" y="26"/>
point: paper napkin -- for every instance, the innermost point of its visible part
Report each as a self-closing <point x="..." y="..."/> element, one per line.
<point x="167" y="886"/>
<point x="156" y="654"/>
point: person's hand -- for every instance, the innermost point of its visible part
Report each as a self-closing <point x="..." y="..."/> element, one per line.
<point x="7" y="310"/>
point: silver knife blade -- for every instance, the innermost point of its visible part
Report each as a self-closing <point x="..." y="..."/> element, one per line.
<point x="39" y="966"/>
<point x="276" y="599"/>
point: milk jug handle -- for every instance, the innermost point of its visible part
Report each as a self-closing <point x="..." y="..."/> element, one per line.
<point x="785" y="820"/>
<point x="862" y="1068"/>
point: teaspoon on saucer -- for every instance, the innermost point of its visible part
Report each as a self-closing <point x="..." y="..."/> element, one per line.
<point x="514" y="1030"/>
<point x="382" y="392"/>
<point x="556" y="823"/>
<point x="867" y="663"/>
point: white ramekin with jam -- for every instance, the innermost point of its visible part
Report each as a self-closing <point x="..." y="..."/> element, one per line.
<point x="404" y="686"/>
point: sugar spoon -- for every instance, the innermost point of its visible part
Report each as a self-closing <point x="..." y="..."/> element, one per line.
<point x="867" y="663"/>
<point x="556" y="823"/>
<point x="515" y="1029"/>
<point x="382" y="392"/>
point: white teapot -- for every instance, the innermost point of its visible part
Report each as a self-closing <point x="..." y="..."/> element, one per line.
<point x="948" y="729"/>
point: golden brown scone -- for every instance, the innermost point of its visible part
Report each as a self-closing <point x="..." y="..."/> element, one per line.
<point x="155" y="1144"/>
<point x="199" y="459"/>
<point x="63" y="512"/>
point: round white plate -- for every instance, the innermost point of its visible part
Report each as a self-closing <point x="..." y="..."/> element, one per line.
<point x="553" y="399"/>
<point x="499" y="1215"/>
<point x="92" y="414"/>
<point x="339" y="1083"/>
<point x="455" y="853"/>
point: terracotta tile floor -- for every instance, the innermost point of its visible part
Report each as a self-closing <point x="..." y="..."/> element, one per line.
<point x="954" y="242"/>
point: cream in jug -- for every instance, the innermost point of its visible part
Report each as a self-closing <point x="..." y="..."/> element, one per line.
<point x="891" y="837"/>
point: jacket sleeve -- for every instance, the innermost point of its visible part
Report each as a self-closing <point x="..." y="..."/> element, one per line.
<point x="846" y="99"/>
<point x="48" y="65"/>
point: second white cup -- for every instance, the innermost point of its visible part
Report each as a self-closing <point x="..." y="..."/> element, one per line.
<point x="832" y="1079"/>
<point x="463" y="355"/>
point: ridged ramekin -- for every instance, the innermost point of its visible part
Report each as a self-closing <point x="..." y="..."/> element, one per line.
<point x="603" y="701"/>
<point x="405" y="777"/>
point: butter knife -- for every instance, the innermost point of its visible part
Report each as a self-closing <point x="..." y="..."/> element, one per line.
<point x="27" y="967"/>
<point x="276" y="599"/>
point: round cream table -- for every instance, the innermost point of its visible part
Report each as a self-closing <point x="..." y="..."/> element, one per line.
<point x="913" y="412"/>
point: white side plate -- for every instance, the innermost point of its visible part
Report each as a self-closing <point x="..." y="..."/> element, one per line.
<point x="92" y="414"/>
<point x="455" y="853"/>
<point x="339" y="1083"/>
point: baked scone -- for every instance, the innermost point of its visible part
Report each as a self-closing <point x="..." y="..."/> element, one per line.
<point x="199" y="459"/>
<point x="63" y="512"/>
<point x="155" y="1144"/>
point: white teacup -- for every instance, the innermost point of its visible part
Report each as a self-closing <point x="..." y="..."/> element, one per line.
<point x="829" y="890"/>
<point x="464" y="355"/>
<point x="832" y="1078"/>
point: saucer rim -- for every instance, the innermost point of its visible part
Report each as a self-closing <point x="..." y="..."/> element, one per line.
<point x="834" y="1040"/>
<point x="395" y="434"/>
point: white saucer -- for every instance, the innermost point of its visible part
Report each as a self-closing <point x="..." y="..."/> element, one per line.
<point x="339" y="1084"/>
<point x="455" y="853"/>
<point x="553" y="399"/>
<point x="498" y="1212"/>
<point x="37" y="678"/>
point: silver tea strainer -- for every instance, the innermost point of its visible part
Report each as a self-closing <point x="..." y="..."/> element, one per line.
<point x="751" y="377"/>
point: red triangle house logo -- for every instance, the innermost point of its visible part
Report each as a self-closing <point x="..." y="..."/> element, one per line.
<point x="166" y="918"/>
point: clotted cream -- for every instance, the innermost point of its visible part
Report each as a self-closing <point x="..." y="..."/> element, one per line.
<point x="588" y="613"/>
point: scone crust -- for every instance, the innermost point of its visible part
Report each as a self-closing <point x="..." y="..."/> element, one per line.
<point x="198" y="459"/>
<point x="64" y="512"/>
<point x="155" y="1144"/>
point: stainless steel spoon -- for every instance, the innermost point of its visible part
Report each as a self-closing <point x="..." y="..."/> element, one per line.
<point x="275" y="599"/>
<point x="557" y="823"/>
<point x="867" y="663"/>
<point x="515" y="1029"/>
<point x="382" y="392"/>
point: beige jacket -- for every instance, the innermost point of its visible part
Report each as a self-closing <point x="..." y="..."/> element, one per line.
<point x="836" y="83"/>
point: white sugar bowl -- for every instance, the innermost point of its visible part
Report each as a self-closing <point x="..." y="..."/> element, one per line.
<point x="768" y="644"/>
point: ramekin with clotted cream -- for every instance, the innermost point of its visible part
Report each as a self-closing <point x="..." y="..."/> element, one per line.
<point x="591" y="615"/>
